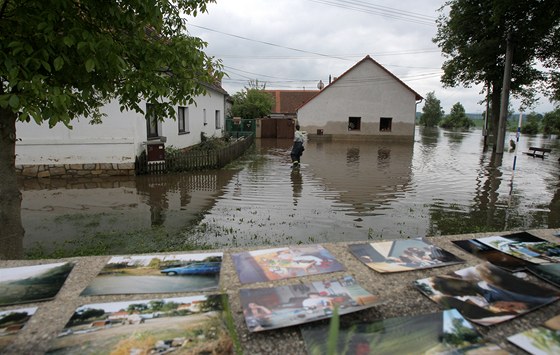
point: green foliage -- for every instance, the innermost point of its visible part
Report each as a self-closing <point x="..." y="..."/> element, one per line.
<point x="532" y="125"/>
<point x="475" y="50"/>
<point x="63" y="59"/>
<point x="252" y="103"/>
<point x="551" y="122"/>
<point x="432" y="112"/>
<point x="457" y="118"/>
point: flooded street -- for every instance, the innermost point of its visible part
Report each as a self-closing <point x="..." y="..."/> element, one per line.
<point x="441" y="184"/>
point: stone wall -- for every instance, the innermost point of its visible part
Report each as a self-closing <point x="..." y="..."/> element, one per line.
<point x="75" y="170"/>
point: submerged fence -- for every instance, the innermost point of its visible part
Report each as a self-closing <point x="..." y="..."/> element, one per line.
<point x="194" y="159"/>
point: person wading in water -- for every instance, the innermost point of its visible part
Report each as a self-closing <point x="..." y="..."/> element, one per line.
<point x="297" y="148"/>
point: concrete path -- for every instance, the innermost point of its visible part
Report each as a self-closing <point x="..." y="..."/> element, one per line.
<point x="402" y="299"/>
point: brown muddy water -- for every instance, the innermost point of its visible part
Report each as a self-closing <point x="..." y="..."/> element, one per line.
<point x="443" y="183"/>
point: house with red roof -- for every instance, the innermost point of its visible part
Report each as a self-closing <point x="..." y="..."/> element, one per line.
<point x="366" y="102"/>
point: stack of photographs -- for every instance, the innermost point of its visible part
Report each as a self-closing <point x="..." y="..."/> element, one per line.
<point x="486" y="294"/>
<point x="153" y="326"/>
<point x="540" y="340"/>
<point x="402" y="255"/>
<point x="444" y="332"/>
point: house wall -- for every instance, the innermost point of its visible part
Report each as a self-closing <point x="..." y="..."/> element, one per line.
<point x="109" y="148"/>
<point x="366" y="91"/>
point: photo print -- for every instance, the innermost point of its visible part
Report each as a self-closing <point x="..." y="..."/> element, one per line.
<point x="547" y="272"/>
<point x="185" y="325"/>
<point x="486" y="294"/>
<point x="493" y="256"/>
<point x="444" y="332"/>
<point x="34" y="283"/>
<point x="283" y="306"/>
<point x="157" y="274"/>
<point x="525" y="246"/>
<point x="402" y="255"/>
<point x="282" y="263"/>
<point x="543" y="340"/>
<point x="11" y="322"/>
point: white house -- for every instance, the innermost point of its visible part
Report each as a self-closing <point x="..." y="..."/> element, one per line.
<point x="110" y="148"/>
<point x="366" y="102"/>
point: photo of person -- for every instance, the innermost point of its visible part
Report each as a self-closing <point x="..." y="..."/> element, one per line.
<point x="486" y="294"/>
<point x="494" y="256"/>
<point x="525" y="246"/>
<point x="282" y="263"/>
<point x="402" y="255"/>
<point x="283" y="306"/>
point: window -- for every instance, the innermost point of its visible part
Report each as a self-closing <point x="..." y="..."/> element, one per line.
<point x="183" y="119"/>
<point x="218" y="120"/>
<point x="385" y="124"/>
<point x="204" y="117"/>
<point x="153" y="125"/>
<point x="354" y="123"/>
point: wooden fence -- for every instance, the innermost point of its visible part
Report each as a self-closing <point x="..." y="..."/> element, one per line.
<point x="194" y="160"/>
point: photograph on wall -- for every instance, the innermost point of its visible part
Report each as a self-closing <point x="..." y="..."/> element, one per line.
<point x="157" y="274"/>
<point x="11" y="322"/>
<point x="171" y="325"/>
<point x="525" y="246"/>
<point x="402" y="255"/>
<point x="547" y="272"/>
<point x="445" y="332"/>
<point x="283" y="306"/>
<point x="541" y="340"/>
<point x="282" y="263"/>
<point x="486" y="294"/>
<point x="33" y="283"/>
<point x="493" y="256"/>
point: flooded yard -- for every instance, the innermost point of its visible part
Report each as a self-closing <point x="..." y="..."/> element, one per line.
<point x="443" y="183"/>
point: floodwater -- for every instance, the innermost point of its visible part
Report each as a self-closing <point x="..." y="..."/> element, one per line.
<point x="443" y="183"/>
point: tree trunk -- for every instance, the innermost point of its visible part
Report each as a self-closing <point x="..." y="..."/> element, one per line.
<point x="11" y="236"/>
<point x="495" y="109"/>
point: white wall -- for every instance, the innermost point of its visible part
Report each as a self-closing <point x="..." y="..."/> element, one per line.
<point x="119" y="139"/>
<point x="366" y="91"/>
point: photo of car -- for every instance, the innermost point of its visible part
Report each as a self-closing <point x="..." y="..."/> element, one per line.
<point x="194" y="269"/>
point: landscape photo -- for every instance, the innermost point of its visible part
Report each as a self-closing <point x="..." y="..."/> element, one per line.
<point x="525" y="246"/>
<point x="11" y="322"/>
<point x="445" y="332"/>
<point x="34" y="283"/>
<point x="402" y="255"/>
<point x="540" y="340"/>
<point x="282" y="263"/>
<point x="157" y="274"/>
<point x="485" y="294"/>
<point x="283" y="306"/>
<point x="547" y="272"/>
<point x="183" y="325"/>
<point x="492" y="255"/>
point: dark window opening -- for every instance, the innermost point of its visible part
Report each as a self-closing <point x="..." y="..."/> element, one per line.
<point x="151" y="122"/>
<point x="354" y="123"/>
<point x="385" y="124"/>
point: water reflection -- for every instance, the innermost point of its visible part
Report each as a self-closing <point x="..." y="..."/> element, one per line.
<point x="443" y="183"/>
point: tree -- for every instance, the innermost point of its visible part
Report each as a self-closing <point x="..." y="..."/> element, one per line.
<point x="63" y="59"/>
<point x="457" y="118"/>
<point x="473" y="38"/>
<point x="252" y="102"/>
<point x="551" y="122"/>
<point x="532" y="126"/>
<point x="432" y="112"/>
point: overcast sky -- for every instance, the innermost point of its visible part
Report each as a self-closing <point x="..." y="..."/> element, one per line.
<point x="292" y="44"/>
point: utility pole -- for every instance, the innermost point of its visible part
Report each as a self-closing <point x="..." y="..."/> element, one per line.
<point x="505" y="97"/>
